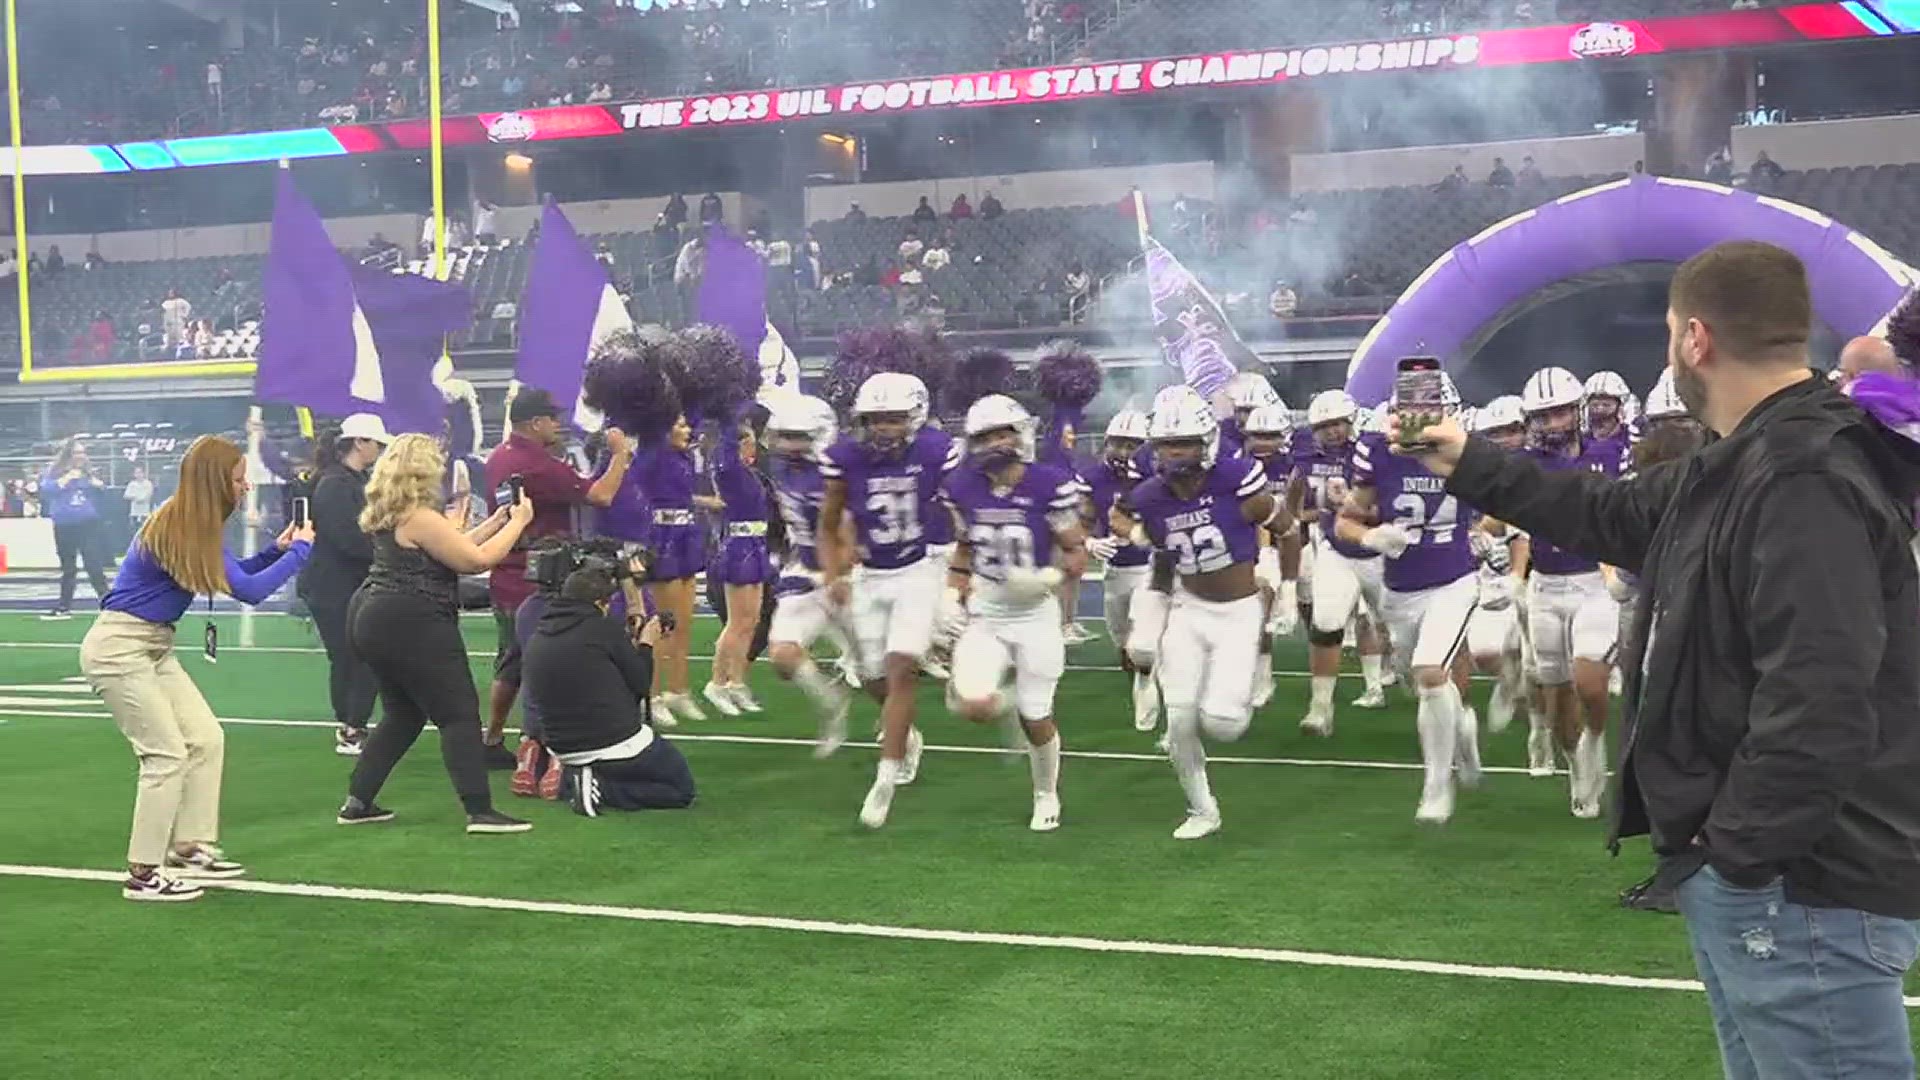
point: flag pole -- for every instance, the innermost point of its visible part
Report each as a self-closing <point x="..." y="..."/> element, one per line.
<point x="250" y="539"/>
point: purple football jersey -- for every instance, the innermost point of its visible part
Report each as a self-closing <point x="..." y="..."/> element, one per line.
<point x="1207" y="532"/>
<point x="1327" y="475"/>
<point x="1416" y="500"/>
<point x="799" y="488"/>
<point x="1012" y="529"/>
<point x="893" y="498"/>
<point x="1106" y="484"/>
<point x="1596" y="455"/>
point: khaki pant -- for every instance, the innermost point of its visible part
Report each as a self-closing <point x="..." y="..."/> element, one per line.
<point x="180" y="747"/>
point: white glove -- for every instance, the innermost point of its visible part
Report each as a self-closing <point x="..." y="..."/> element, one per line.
<point x="1025" y="584"/>
<point x="1284" y="619"/>
<point x="1148" y="609"/>
<point x="1103" y="548"/>
<point x="1520" y="594"/>
<point x="1496" y="592"/>
<point x="1266" y="569"/>
<point x="1389" y="540"/>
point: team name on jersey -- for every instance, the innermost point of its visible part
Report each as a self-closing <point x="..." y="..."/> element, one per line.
<point x="1426" y="485"/>
<point x="908" y="484"/>
<point x="1191" y="518"/>
<point x="1001" y="515"/>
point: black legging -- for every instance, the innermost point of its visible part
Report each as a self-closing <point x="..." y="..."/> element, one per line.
<point x="350" y="681"/>
<point x="420" y="661"/>
<point x="77" y="543"/>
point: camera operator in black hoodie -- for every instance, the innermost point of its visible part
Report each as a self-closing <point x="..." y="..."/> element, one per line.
<point x="593" y="680"/>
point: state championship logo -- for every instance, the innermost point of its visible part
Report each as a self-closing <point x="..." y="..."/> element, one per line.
<point x="1602" y="39"/>
<point x="510" y="127"/>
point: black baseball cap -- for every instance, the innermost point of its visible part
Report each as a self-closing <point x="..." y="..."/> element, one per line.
<point x="531" y="403"/>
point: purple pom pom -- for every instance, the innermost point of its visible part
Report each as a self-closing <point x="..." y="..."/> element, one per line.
<point x="978" y="373"/>
<point x="718" y="377"/>
<point x="634" y="378"/>
<point x="1903" y="329"/>
<point x="1068" y="377"/>
<point x="858" y="356"/>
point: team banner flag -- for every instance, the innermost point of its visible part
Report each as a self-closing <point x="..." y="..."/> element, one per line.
<point x="1194" y="332"/>
<point x="569" y="308"/>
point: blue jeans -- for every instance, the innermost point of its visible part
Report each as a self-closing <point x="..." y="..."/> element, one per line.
<point x="1800" y="993"/>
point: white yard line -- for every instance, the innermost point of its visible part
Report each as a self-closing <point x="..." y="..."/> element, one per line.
<point x="906" y="933"/>
<point x="772" y="740"/>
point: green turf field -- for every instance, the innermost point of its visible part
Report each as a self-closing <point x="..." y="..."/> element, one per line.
<point x="1319" y="875"/>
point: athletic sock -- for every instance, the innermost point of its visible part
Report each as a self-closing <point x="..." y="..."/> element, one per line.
<point x="1323" y="686"/>
<point x="1439" y="731"/>
<point x="1045" y="761"/>
<point x="1370" y="670"/>
<point x="1189" y="758"/>
<point x="816" y="685"/>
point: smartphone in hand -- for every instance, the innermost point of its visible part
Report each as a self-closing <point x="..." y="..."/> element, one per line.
<point x="517" y="488"/>
<point x="301" y="513"/>
<point x="1419" y="398"/>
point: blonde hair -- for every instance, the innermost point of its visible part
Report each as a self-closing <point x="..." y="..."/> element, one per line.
<point x="184" y="534"/>
<point x="408" y="477"/>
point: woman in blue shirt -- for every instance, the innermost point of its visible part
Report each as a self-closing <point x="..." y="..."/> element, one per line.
<point x="129" y="660"/>
<point x="70" y="495"/>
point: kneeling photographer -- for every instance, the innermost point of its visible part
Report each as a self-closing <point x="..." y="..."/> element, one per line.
<point x="592" y="679"/>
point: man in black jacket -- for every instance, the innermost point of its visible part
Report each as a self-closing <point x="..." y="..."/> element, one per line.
<point x="593" y="686"/>
<point x="1772" y="712"/>
<point x="342" y="554"/>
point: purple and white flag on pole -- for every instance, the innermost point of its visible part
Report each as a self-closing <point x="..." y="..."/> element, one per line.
<point x="1194" y="332"/>
<point x="340" y="339"/>
<point x="568" y="308"/>
<point x="733" y="295"/>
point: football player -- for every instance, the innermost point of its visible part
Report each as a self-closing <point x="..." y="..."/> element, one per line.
<point x="1108" y="482"/>
<point x="1017" y="523"/>
<point x="1267" y="438"/>
<point x="1494" y="637"/>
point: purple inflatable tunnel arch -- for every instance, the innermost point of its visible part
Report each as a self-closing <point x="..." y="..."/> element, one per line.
<point x="1855" y="282"/>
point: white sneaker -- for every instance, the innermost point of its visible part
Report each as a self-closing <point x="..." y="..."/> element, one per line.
<point x="1374" y="698"/>
<point x="910" y="765"/>
<point x="873" y="812"/>
<point x="685" y="707"/>
<point x="1499" y="709"/>
<point x="850" y="673"/>
<point x="742" y="697"/>
<point x="204" y="861"/>
<point x="718" y="697"/>
<point x="1318" y="724"/>
<point x="1160" y="743"/>
<point x="1075" y="634"/>
<point x="833" y="726"/>
<point x="1263" y="684"/>
<point x="934" y="669"/>
<point x="157" y="887"/>
<point x="1616" y="684"/>
<point x="1436" y="804"/>
<point x="662" y="715"/>
<point x="1046" y="813"/>
<point x="1197" y="825"/>
<point x="1466" y="749"/>
<point x="1539" y="752"/>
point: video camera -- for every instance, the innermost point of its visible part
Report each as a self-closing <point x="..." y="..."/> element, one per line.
<point x="551" y="562"/>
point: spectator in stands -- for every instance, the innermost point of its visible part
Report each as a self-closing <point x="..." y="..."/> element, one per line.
<point x="1501" y="176"/>
<point x="961" y="209"/>
<point x="214" y="85"/>
<point x="93" y="261"/>
<point x="1765" y="170"/>
<point x="1639" y="168"/>
<point x="175" y="310"/>
<point x="485" y="224"/>
<point x="9" y="269"/>
<point x="1283" y="302"/>
<point x="676" y="210"/>
<point x="34" y="265"/>
<point x="809" y="268"/>
<point x="1455" y="180"/>
<point x="100" y="337"/>
<point x="990" y="208"/>
<point x="911" y="246"/>
<point x="712" y="212"/>
<point x="200" y="342"/>
<point x="664" y="238"/>
<point x="924" y="213"/>
<point x="1530" y="173"/>
<point x="1720" y="166"/>
<point x="854" y="213"/>
<point x="938" y="255"/>
<point x="56" y="262"/>
<point x="1078" y="287"/>
<point x="756" y="244"/>
<point x="868" y="275"/>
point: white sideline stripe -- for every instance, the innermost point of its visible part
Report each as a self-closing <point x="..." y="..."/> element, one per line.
<point x="772" y="740"/>
<point x="72" y="685"/>
<point x="47" y="702"/>
<point x="904" y="933"/>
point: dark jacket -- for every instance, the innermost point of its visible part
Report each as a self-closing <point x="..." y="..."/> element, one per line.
<point x="1772" y="707"/>
<point x="342" y="554"/>
<point x="591" y="681"/>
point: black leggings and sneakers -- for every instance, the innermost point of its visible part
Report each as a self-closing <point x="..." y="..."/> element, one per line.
<point x="404" y="621"/>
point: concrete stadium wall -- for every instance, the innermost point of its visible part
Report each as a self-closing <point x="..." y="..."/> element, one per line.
<point x="1577" y="155"/>
<point x="1832" y="144"/>
<point x="1018" y="191"/>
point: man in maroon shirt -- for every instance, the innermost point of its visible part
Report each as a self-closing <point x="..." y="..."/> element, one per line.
<point x="530" y="453"/>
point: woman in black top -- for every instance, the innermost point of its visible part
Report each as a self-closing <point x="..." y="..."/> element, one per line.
<point x="404" y="621"/>
<point x="342" y="554"/>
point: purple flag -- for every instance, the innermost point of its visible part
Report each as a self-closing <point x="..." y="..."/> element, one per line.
<point x="1194" y="333"/>
<point x="341" y="339"/>
<point x="733" y="290"/>
<point x="569" y="306"/>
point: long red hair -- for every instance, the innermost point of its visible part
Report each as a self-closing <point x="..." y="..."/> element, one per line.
<point x="184" y="534"/>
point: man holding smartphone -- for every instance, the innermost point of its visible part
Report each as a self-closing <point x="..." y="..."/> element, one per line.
<point x="531" y="453"/>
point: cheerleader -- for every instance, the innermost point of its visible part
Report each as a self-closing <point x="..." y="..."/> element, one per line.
<point x="740" y="564"/>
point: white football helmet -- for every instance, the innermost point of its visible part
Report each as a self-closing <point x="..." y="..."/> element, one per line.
<point x="1329" y="406"/>
<point x="1607" y="384"/>
<point x="1128" y="424"/>
<point x="1272" y="419"/>
<point x="1551" y="388"/>
<point x="1663" y="401"/>
<point x="1503" y="411"/>
<point x="892" y="392"/>
<point x="1179" y="412"/>
<point x="997" y="411"/>
<point x="803" y="415"/>
<point x="1251" y="390"/>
